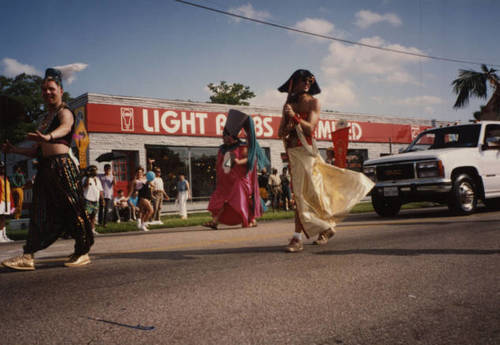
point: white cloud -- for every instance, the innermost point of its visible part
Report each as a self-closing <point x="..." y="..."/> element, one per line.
<point x="377" y="99"/>
<point x="318" y="26"/>
<point x="337" y="95"/>
<point x="270" y="98"/>
<point x="352" y="60"/>
<point x="421" y="101"/>
<point x="315" y="25"/>
<point x="365" y="18"/>
<point x="248" y="11"/>
<point x="429" y="110"/>
<point x="13" y="68"/>
<point x="69" y="71"/>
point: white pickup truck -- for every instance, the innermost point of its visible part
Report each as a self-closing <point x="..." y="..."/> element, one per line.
<point x="456" y="165"/>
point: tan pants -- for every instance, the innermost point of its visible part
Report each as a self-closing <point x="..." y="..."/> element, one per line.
<point x="157" y="203"/>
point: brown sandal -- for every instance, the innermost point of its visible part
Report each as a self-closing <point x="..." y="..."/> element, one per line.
<point x="211" y="224"/>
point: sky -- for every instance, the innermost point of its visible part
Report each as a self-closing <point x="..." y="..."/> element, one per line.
<point x="170" y="50"/>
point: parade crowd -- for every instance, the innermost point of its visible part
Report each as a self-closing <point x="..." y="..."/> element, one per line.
<point x="69" y="202"/>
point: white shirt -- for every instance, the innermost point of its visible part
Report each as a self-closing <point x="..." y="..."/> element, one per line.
<point x="120" y="201"/>
<point x="107" y="182"/>
<point x="157" y="184"/>
<point x="92" y="191"/>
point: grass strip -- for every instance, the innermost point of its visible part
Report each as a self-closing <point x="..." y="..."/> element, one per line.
<point x="174" y="221"/>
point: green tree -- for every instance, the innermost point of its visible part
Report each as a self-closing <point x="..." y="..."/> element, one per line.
<point x="26" y="89"/>
<point x="225" y="93"/>
<point x="472" y="83"/>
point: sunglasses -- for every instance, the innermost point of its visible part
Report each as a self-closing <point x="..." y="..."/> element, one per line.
<point x="309" y="80"/>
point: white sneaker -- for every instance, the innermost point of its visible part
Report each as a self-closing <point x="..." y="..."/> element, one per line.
<point x="95" y="232"/>
<point x="139" y="224"/>
<point x="144" y="227"/>
<point x="4" y="238"/>
<point x="118" y="221"/>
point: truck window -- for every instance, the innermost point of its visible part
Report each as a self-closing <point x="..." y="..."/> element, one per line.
<point x="453" y="136"/>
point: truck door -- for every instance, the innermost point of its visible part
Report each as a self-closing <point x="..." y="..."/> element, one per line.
<point x="490" y="162"/>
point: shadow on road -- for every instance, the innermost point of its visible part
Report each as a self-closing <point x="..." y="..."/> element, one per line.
<point x="57" y="262"/>
<point x="411" y="252"/>
<point x="188" y="254"/>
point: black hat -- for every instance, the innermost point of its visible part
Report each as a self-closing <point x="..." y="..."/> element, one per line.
<point x="301" y="74"/>
<point x="54" y="74"/>
<point x="236" y="120"/>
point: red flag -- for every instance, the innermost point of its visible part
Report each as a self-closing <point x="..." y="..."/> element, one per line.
<point x="340" y="140"/>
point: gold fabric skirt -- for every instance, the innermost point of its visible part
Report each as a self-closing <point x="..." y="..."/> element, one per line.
<point x="324" y="194"/>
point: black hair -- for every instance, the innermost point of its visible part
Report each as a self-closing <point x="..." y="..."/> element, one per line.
<point x="54" y="75"/>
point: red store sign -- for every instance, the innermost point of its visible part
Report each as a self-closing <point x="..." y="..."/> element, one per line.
<point x="105" y="118"/>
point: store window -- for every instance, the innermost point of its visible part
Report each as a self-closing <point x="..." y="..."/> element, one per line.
<point x="355" y="158"/>
<point x="196" y="163"/>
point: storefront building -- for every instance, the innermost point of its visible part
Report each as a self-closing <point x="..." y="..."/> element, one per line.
<point x="183" y="137"/>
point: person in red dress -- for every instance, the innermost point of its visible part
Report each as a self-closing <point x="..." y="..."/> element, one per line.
<point x="236" y="198"/>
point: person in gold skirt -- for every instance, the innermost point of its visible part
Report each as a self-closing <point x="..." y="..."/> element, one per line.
<point x="323" y="193"/>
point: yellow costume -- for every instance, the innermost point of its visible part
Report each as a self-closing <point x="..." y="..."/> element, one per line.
<point x="324" y="194"/>
<point x="3" y="200"/>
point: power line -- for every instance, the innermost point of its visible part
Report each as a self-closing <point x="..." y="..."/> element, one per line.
<point x="289" y="28"/>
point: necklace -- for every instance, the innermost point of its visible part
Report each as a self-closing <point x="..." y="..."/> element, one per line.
<point x="49" y="117"/>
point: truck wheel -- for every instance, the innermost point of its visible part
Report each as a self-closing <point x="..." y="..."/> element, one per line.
<point x="463" y="197"/>
<point x="385" y="207"/>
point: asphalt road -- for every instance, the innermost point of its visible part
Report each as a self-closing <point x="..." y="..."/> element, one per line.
<point x="422" y="278"/>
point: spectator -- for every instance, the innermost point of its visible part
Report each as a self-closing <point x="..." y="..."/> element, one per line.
<point x="133" y="201"/>
<point x="5" y="206"/>
<point x="120" y="206"/>
<point x="183" y="194"/>
<point x="285" y="189"/>
<point x="143" y="186"/>
<point x="158" y="195"/>
<point x="330" y="156"/>
<point x="135" y="185"/>
<point x="17" y="182"/>
<point x="92" y="191"/>
<point x="263" y="181"/>
<point x="107" y="181"/>
<point x="275" y="188"/>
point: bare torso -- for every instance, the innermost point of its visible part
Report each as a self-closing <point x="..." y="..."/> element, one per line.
<point x="307" y="108"/>
<point x="50" y="149"/>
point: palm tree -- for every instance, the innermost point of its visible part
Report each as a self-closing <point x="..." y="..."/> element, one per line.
<point x="472" y="83"/>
